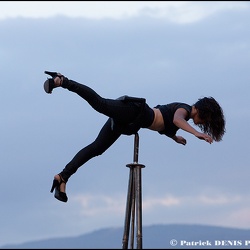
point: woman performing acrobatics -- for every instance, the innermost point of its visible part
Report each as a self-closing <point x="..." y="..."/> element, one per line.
<point x="129" y="114"/>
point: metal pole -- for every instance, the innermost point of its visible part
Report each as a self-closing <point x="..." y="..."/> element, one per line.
<point x="135" y="160"/>
<point x="136" y="148"/>
<point x="134" y="200"/>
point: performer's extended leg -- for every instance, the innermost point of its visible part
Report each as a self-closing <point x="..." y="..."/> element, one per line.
<point x="117" y="109"/>
<point x="104" y="140"/>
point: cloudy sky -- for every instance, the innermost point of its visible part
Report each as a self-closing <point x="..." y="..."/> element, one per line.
<point x="163" y="51"/>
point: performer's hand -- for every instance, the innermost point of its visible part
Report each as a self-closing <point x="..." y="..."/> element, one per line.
<point x="180" y="139"/>
<point x="205" y="137"/>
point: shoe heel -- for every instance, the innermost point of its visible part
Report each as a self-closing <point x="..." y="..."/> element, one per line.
<point x="52" y="74"/>
<point x="54" y="185"/>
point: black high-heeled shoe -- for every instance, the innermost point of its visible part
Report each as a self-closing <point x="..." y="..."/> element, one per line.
<point x="49" y="84"/>
<point x="61" y="196"/>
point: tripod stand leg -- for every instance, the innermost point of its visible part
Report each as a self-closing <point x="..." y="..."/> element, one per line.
<point x="133" y="210"/>
<point x="138" y="207"/>
<point x="130" y="196"/>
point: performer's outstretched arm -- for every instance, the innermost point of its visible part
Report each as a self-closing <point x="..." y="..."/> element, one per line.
<point x="180" y="122"/>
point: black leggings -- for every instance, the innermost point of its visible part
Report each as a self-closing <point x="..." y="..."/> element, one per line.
<point x="118" y="110"/>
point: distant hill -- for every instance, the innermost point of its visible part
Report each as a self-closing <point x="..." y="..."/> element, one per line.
<point x="154" y="237"/>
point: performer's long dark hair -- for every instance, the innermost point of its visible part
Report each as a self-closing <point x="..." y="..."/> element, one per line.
<point x="211" y="112"/>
